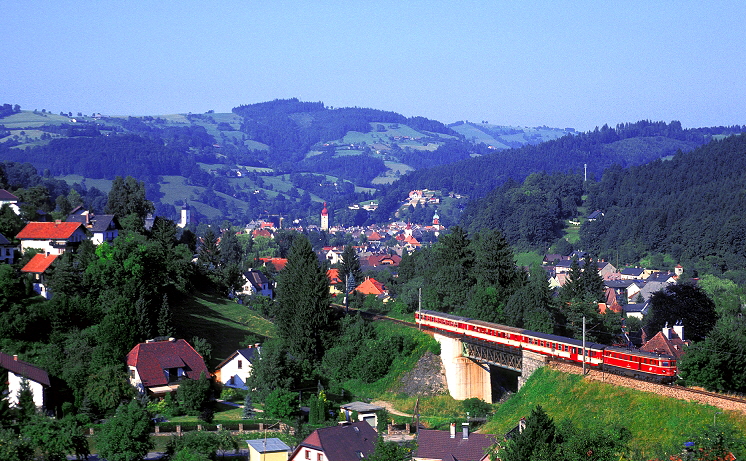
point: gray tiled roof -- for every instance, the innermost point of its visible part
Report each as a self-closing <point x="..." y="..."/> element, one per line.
<point x="268" y="445"/>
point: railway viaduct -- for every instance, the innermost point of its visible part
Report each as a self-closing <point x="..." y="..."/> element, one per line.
<point x="467" y="363"/>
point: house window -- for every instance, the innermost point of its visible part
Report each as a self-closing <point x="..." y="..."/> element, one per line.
<point x="240" y="364"/>
<point x="320" y="457"/>
<point x="308" y="454"/>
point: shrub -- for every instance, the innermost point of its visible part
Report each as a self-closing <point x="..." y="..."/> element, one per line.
<point x="207" y="415"/>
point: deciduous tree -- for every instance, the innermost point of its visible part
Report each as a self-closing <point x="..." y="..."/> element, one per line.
<point x="126" y="436"/>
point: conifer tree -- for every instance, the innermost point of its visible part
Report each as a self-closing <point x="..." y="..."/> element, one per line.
<point x="26" y="405"/>
<point x="537" y="442"/>
<point x="248" y="407"/>
<point x="304" y="319"/>
<point x="165" y="326"/>
<point x="350" y="266"/>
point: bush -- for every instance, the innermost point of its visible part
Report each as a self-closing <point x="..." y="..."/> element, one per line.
<point x="280" y="404"/>
<point x="232" y="394"/>
<point x="193" y="395"/>
<point x="476" y="407"/>
<point x="207" y="415"/>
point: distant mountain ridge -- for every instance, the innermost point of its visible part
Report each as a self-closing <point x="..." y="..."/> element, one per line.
<point x="287" y="156"/>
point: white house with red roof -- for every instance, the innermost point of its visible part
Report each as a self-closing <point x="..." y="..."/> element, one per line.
<point x="52" y="237"/>
<point x="38" y="267"/>
<point x="350" y="442"/>
<point x="37" y="378"/>
<point x="157" y="367"/>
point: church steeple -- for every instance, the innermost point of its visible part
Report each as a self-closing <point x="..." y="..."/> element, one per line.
<point x="324" y="218"/>
<point x="186" y="215"/>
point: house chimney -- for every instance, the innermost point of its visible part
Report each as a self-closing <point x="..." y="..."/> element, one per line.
<point x="453" y="430"/>
<point x="666" y="331"/>
<point x="173" y="340"/>
<point x="521" y="425"/>
<point x="465" y="431"/>
<point x="679" y="329"/>
<point x="15" y="357"/>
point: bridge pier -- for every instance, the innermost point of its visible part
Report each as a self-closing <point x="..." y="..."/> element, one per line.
<point x="467" y="366"/>
<point x="465" y="377"/>
<point x="531" y="362"/>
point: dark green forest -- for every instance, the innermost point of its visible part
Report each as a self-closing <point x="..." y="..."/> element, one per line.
<point x="689" y="207"/>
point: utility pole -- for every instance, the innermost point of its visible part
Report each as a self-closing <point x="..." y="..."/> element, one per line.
<point x="419" y="307"/>
<point x="584" y="345"/>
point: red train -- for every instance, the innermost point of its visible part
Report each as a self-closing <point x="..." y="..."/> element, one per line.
<point x="635" y="363"/>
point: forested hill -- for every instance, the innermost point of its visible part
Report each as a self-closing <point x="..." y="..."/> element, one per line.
<point x="690" y="208"/>
<point x="626" y="145"/>
<point x="291" y="127"/>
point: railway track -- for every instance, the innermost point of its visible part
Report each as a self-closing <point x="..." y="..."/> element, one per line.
<point x="725" y="402"/>
<point x="372" y="316"/>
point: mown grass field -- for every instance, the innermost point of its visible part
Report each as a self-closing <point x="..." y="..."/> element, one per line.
<point x="104" y="185"/>
<point x="528" y="259"/>
<point x="656" y="423"/>
<point x="222" y="322"/>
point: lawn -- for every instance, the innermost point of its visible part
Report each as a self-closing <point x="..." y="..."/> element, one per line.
<point x="528" y="259"/>
<point x="222" y="322"/>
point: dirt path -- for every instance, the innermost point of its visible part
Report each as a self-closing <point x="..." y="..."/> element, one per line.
<point x="390" y="408"/>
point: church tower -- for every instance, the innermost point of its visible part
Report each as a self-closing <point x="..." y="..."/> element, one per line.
<point x="325" y="219"/>
<point x="186" y="215"/>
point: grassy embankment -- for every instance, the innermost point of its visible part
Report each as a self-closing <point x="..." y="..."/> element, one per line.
<point x="656" y="423"/>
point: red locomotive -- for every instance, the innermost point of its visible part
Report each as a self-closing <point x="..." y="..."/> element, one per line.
<point x="635" y="363"/>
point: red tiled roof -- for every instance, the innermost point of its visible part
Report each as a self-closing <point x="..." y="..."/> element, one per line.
<point x="333" y="276"/>
<point x="49" y="230"/>
<point x="374" y="236"/>
<point x="439" y="445"/>
<point x="659" y="344"/>
<point x="279" y="263"/>
<point x="614" y="307"/>
<point x="341" y="443"/>
<point x="370" y="286"/>
<point x="39" y="263"/>
<point x="20" y="368"/>
<point x="152" y="358"/>
<point x="262" y="233"/>
<point x="384" y="260"/>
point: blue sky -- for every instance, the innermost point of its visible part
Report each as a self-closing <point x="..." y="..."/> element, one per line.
<point x="558" y="63"/>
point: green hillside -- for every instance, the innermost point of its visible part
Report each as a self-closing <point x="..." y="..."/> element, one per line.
<point x="657" y="423"/>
